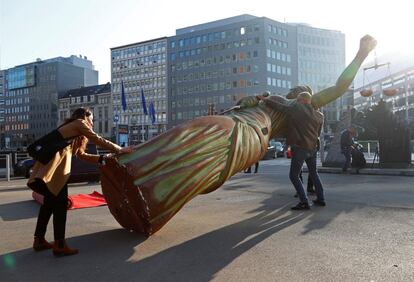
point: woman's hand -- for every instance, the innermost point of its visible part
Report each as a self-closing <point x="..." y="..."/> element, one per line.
<point x="127" y="150"/>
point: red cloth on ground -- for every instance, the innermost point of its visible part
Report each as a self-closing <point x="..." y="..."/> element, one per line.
<point x="95" y="199"/>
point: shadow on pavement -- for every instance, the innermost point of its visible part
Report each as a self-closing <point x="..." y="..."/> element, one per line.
<point x="14" y="189"/>
<point x="103" y="257"/>
<point x="110" y="255"/>
<point x="19" y="210"/>
<point x="202" y="257"/>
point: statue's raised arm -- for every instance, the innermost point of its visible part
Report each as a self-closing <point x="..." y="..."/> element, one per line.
<point x="320" y="99"/>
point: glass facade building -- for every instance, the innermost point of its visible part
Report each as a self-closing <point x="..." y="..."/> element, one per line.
<point x="219" y="62"/>
<point x="321" y="59"/>
<point x="31" y="94"/>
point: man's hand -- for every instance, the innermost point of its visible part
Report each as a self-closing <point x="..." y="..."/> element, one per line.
<point x="262" y="97"/>
<point x="367" y="44"/>
<point x="252" y="101"/>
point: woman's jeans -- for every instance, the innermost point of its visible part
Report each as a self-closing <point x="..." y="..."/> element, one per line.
<point x="300" y="156"/>
<point x="56" y="205"/>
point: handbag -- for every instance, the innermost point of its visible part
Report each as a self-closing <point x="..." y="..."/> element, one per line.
<point x="45" y="148"/>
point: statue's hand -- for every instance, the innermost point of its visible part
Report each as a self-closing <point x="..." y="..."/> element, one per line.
<point x="367" y="44"/>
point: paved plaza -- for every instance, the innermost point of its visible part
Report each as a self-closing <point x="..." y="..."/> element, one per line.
<point x="244" y="231"/>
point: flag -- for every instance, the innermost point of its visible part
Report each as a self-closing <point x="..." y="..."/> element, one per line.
<point x="123" y="99"/>
<point x="152" y="112"/>
<point x="144" y="104"/>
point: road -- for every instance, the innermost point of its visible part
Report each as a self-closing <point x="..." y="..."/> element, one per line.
<point x="244" y="231"/>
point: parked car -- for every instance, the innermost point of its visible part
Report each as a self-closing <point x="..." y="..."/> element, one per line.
<point x="81" y="171"/>
<point x="23" y="168"/>
<point x="274" y="150"/>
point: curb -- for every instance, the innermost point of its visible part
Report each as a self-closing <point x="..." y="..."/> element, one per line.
<point x="368" y="171"/>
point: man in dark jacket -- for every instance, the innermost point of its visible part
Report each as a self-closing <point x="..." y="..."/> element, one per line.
<point x="347" y="143"/>
<point x="305" y="124"/>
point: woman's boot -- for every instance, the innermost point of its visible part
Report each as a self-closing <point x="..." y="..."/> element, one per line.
<point x="62" y="249"/>
<point x="40" y="244"/>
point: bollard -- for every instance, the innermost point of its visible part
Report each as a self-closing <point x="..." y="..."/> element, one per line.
<point x="369" y="149"/>
<point x="8" y="167"/>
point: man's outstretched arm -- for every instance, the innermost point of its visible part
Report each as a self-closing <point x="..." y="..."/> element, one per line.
<point x="320" y="99"/>
<point x="274" y="104"/>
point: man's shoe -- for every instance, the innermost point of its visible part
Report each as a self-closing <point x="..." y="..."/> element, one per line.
<point x="40" y="244"/>
<point x="301" y="206"/>
<point x="319" y="203"/>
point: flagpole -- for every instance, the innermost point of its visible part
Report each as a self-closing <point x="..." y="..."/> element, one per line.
<point x="124" y="106"/>
<point x="144" y="111"/>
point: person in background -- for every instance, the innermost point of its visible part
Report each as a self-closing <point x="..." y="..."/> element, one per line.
<point x="50" y="179"/>
<point x="256" y="168"/>
<point x="347" y="145"/>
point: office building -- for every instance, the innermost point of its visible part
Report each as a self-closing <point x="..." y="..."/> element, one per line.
<point x="2" y="109"/>
<point x="140" y="67"/>
<point x="217" y="63"/>
<point x="206" y="68"/>
<point x="31" y="94"/>
<point x="321" y="59"/>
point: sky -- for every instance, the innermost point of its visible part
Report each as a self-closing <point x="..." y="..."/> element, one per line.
<point x="31" y="29"/>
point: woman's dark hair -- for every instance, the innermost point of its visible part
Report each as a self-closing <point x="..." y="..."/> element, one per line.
<point x="79" y="113"/>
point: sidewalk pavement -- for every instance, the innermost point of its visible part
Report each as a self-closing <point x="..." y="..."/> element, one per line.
<point x="368" y="171"/>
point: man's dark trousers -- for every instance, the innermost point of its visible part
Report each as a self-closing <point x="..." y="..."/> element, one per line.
<point x="300" y="156"/>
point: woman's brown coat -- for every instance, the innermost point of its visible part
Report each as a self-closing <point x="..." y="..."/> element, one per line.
<point x="56" y="172"/>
